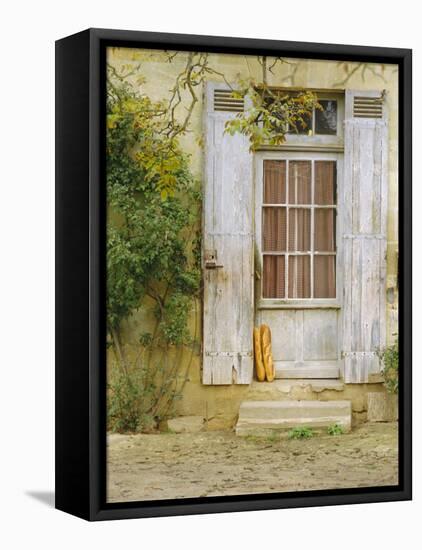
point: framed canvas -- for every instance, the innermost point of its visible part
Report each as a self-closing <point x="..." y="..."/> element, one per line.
<point x="233" y="274"/>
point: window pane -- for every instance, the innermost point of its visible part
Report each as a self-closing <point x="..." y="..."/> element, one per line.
<point x="324" y="276"/>
<point x="325" y="182"/>
<point x="325" y="230"/>
<point x="299" y="276"/>
<point x="274" y="229"/>
<point x="301" y="127"/>
<point x="326" y="120"/>
<point x="300" y="182"/>
<point x="299" y="229"/>
<point x="274" y="181"/>
<point x="273" y="283"/>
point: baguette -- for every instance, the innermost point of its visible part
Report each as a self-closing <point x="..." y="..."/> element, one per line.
<point x="259" y="365"/>
<point x="267" y="352"/>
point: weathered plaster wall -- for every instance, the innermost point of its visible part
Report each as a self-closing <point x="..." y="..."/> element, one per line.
<point x="220" y="404"/>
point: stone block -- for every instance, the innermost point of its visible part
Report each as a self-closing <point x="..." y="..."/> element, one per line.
<point x="382" y="407"/>
<point x="186" y="424"/>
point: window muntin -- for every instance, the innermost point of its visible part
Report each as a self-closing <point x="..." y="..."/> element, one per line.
<point x="299" y="229"/>
<point x="320" y="122"/>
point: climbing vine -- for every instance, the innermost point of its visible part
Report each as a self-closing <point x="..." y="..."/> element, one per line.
<point x="152" y="259"/>
<point x="153" y="238"/>
<point x="269" y="113"/>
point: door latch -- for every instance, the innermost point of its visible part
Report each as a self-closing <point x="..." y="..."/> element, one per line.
<point x="210" y="260"/>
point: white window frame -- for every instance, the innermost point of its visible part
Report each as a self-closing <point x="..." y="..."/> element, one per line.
<point x="274" y="303"/>
<point x="327" y="140"/>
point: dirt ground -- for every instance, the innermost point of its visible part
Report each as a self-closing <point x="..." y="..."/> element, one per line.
<point x="160" y="466"/>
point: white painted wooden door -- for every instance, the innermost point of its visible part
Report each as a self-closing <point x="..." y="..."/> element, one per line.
<point x="365" y="196"/>
<point x="302" y="309"/>
<point x="227" y="246"/>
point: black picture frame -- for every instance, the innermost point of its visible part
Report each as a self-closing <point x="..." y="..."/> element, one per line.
<point x="80" y="274"/>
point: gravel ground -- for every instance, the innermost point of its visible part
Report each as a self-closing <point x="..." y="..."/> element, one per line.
<point x="161" y="466"/>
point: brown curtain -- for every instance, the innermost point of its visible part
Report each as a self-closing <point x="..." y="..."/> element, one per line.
<point x="299" y="276"/>
<point x="325" y="229"/>
<point x="299" y="229"/>
<point x="324" y="276"/>
<point x="300" y="173"/>
<point x="274" y="182"/>
<point x="274" y="277"/>
<point x="324" y="233"/>
<point x="325" y="182"/>
<point x="274" y="229"/>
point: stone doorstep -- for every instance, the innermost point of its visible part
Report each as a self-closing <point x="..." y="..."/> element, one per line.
<point x="317" y="385"/>
<point x="287" y="409"/>
<point x="306" y="371"/>
<point x="256" y="417"/>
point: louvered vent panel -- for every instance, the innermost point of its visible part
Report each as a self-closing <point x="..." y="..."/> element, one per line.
<point x="224" y="101"/>
<point x="367" y="107"/>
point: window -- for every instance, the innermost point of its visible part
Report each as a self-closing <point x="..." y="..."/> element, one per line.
<point x="322" y="126"/>
<point x="299" y="229"/>
<point x="322" y="122"/>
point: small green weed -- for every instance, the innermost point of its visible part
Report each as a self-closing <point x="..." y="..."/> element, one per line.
<point x="335" y="429"/>
<point x="300" y="433"/>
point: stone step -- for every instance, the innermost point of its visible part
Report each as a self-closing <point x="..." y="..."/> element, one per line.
<point x="302" y="388"/>
<point x="265" y="417"/>
<point x="305" y="371"/>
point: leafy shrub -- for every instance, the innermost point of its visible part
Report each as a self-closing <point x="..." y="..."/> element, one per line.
<point x="125" y="404"/>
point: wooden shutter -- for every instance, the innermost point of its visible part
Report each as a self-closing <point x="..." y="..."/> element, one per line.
<point x="227" y="245"/>
<point x="365" y="232"/>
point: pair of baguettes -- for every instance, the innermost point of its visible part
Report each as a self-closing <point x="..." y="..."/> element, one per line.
<point x="264" y="365"/>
